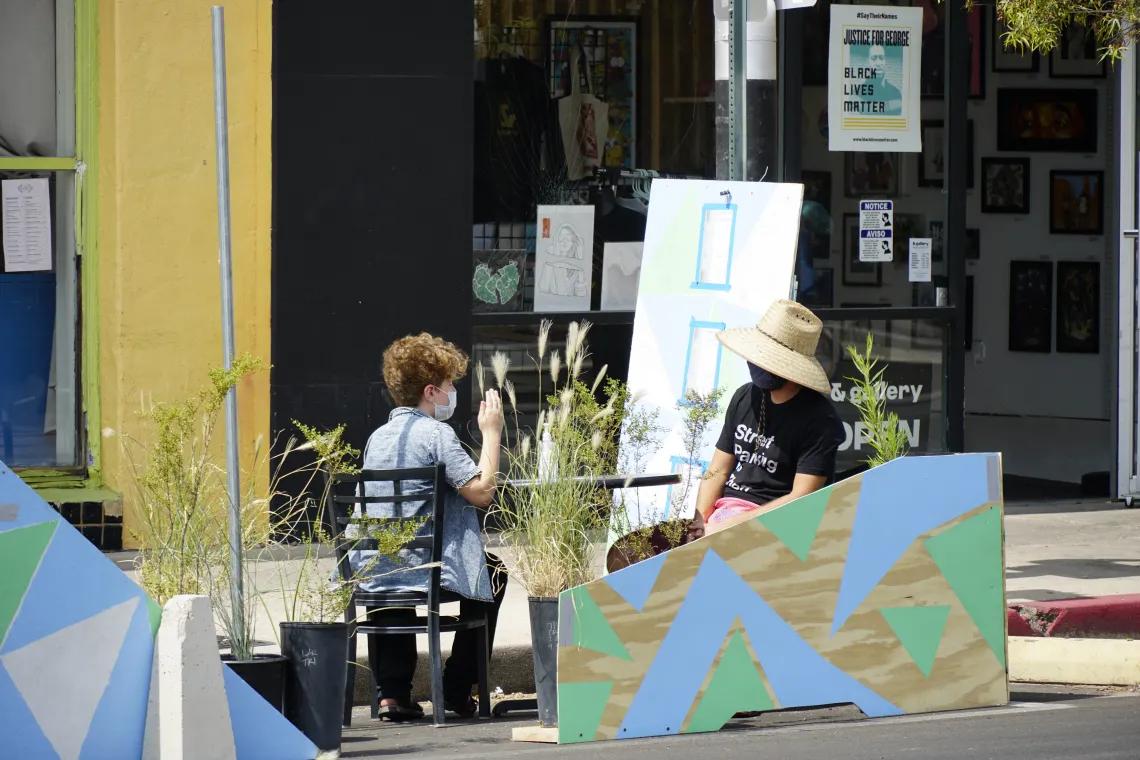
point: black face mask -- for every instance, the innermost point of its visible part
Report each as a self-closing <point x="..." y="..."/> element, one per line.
<point x="764" y="379"/>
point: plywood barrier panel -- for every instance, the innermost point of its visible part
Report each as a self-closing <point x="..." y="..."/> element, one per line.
<point x="885" y="590"/>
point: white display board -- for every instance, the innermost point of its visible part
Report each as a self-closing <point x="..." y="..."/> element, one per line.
<point x="716" y="255"/>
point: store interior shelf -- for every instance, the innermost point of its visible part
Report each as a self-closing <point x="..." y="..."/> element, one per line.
<point x="559" y="317"/>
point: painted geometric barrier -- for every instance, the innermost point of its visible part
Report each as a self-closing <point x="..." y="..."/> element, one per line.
<point x="885" y="590"/>
<point x="77" y="649"/>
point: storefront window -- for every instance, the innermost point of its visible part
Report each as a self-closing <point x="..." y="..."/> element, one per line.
<point x="39" y="402"/>
<point x="577" y="105"/>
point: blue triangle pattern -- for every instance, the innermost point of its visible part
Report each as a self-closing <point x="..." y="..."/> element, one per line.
<point x="635" y="583"/>
<point x="31" y="509"/>
<point x="21" y="733"/>
<point x="898" y="502"/>
<point x="799" y="675"/>
<point x="260" y="732"/>
<point x="74" y="582"/>
<point x="120" y="720"/>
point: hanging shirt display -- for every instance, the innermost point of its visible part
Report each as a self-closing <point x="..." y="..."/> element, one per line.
<point x="514" y="118"/>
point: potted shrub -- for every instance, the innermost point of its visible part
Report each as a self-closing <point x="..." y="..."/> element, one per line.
<point x="182" y="510"/>
<point x="314" y="635"/>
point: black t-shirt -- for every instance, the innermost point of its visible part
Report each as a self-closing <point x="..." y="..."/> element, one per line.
<point x="802" y="434"/>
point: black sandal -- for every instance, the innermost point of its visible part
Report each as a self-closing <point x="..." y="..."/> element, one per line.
<point x="467" y="709"/>
<point x="401" y="712"/>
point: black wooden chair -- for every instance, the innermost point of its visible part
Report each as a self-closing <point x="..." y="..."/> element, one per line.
<point x="341" y="502"/>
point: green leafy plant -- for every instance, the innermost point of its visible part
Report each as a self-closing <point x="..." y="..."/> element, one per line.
<point x="551" y="524"/>
<point x="886" y="438"/>
<point x="1037" y="25"/>
<point x="311" y="590"/>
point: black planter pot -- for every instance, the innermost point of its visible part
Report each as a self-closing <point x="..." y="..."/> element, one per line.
<point x="265" y="673"/>
<point x="318" y="671"/>
<point x="544" y="643"/>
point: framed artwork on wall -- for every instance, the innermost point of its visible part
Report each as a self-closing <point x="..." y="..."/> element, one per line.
<point x="1005" y="185"/>
<point x="497" y="281"/>
<point x="1010" y="60"/>
<point x="934" y="51"/>
<point x="1031" y="306"/>
<point x="856" y="273"/>
<point x="973" y="244"/>
<point x="932" y="164"/>
<point x="1076" y="202"/>
<point x="817" y="191"/>
<point x="1047" y="120"/>
<point x="821" y="293"/>
<point x="610" y="47"/>
<point x="871" y="175"/>
<point x="1078" y="307"/>
<point x="1076" y="55"/>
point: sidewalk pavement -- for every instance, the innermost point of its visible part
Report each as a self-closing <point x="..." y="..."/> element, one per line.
<point x="1053" y="551"/>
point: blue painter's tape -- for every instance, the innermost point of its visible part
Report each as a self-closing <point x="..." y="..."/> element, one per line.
<point x="694" y="325"/>
<point x="699" y="284"/>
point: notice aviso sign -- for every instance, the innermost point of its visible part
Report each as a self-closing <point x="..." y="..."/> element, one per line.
<point x="874" y="73"/>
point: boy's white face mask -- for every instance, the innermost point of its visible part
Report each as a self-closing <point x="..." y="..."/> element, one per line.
<point x="443" y="413"/>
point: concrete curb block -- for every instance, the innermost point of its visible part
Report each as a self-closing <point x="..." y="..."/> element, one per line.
<point x="1102" y="617"/>
<point x="1093" y="662"/>
<point x="188" y="715"/>
<point x="512" y="670"/>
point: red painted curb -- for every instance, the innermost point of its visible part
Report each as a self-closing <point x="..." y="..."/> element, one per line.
<point x="1102" y="617"/>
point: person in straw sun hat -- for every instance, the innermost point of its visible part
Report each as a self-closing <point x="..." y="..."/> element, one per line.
<point x="781" y="432"/>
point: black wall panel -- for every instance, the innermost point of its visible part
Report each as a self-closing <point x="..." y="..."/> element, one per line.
<point x="372" y="198"/>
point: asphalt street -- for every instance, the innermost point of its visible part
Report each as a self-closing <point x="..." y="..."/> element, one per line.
<point x="1039" y="724"/>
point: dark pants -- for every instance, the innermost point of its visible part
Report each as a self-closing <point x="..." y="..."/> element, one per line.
<point x="397" y="654"/>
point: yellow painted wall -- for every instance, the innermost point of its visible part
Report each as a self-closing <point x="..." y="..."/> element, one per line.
<point x="159" y="291"/>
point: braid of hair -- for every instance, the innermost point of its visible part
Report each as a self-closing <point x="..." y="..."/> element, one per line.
<point x="762" y="420"/>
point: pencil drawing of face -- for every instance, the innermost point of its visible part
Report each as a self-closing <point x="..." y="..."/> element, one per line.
<point x="569" y="244"/>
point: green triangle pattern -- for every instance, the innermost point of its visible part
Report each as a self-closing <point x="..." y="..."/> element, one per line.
<point x="154" y="611"/>
<point x="591" y="629"/>
<point x="797" y="523"/>
<point x="970" y="558"/>
<point x="20" y="553"/>
<point x="736" y="686"/>
<point x="580" y="710"/>
<point x="919" y="629"/>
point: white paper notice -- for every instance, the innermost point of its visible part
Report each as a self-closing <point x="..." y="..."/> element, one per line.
<point x="920" y="259"/>
<point x="716" y="246"/>
<point x="876" y="231"/>
<point x="27" y="225"/>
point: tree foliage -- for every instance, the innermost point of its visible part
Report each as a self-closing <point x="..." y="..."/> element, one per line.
<point x="1038" y="25"/>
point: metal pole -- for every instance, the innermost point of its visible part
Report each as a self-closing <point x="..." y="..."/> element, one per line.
<point x="233" y="472"/>
<point x="737" y="113"/>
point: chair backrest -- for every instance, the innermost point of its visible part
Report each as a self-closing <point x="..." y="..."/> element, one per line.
<point x="345" y="492"/>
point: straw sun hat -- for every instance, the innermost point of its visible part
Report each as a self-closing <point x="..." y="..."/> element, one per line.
<point x="783" y="343"/>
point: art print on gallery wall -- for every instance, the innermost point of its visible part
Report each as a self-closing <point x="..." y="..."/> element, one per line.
<point x="621" y="268"/>
<point x="907" y="226"/>
<point x="497" y="281"/>
<point x="1076" y="202"/>
<point x="1005" y="185"/>
<point x="932" y="164"/>
<point x="973" y="244"/>
<point x="1078" y="307"/>
<point x="1076" y="55"/>
<point x="821" y="293"/>
<point x="610" y="45"/>
<point x="857" y="273"/>
<point x="1010" y="59"/>
<point x="1047" y="120"/>
<point x="564" y="258"/>
<point x="816" y="224"/>
<point x="872" y="175"/>
<point x="934" y="50"/>
<point x="1031" y="306"/>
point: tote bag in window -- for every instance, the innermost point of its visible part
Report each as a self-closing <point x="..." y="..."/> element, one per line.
<point x="584" y="121"/>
